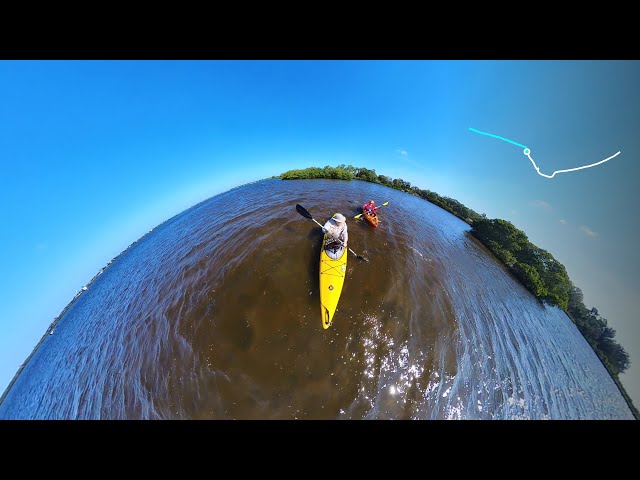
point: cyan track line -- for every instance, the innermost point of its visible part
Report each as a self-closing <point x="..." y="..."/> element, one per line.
<point x="498" y="137"/>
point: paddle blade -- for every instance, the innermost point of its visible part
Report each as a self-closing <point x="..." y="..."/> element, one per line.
<point x="303" y="212"/>
<point x="358" y="256"/>
<point x="385" y="204"/>
<point x="357" y="217"/>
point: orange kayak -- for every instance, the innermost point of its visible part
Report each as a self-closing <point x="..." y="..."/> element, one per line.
<point x="372" y="219"/>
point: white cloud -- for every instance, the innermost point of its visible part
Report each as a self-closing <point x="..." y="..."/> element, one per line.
<point x="540" y="203"/>
<point x="403" y="152"/>
<point x="563" y="221"/>
<point x="588" y="232"/>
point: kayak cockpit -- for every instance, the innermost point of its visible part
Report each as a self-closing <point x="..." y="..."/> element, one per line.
<point x="334" y="249"/>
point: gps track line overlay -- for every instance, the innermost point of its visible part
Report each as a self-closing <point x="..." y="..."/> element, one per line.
<point x="527" y="152"/>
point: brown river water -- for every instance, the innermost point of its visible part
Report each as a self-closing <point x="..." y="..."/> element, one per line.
<point x="215" y="315"/>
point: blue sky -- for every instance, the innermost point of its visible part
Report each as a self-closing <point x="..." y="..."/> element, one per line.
<point x="96" y="153"/>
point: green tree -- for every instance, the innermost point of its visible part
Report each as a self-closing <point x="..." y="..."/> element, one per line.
<point x="367" y="175"/>
<point x="505" y="255"/>
<point x="501" y="231"/>
<point x="336" y="173"/>
<point x="530" y="278"/>
<point x="384" y="180"/>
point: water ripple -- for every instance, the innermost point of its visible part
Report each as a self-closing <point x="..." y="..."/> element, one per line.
<point x="215" y="314"/>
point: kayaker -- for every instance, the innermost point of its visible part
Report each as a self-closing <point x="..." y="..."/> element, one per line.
<point x="370" y="207"/>
<point x="336" y="227"/>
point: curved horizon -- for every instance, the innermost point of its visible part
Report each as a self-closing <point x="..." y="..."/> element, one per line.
<point x="97" y="153"/>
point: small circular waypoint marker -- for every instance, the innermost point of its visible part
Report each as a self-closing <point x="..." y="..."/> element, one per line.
<point x="527" y="151"/>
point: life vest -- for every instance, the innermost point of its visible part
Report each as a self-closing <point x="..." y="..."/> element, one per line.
<point x="369" y="208"/>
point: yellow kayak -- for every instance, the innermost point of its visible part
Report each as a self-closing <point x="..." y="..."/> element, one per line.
<point x="332" y="273"/>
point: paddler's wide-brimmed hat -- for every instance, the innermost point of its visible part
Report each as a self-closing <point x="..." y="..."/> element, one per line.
<point x="339" y="218"/>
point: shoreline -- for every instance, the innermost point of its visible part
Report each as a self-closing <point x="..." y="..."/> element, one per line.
<point x="410" y="190"/>
<point x="53" y="325"/>
<point x="625" y="396"/>
<point x="618" y="383"/>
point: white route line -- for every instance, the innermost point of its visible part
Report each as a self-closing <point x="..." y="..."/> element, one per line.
<point x="527" y="152"/>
